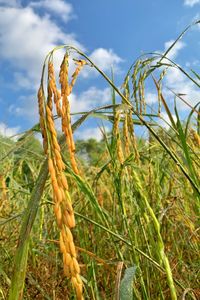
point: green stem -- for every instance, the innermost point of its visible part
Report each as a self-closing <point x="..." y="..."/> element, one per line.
<point x="21" y="256"/>
<point x="160" y="245"/>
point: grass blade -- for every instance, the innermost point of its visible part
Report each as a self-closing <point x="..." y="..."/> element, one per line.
<point x="19" y="270"/>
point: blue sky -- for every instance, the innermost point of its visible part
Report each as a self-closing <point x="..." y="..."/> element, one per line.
<point x="112" y="32"/>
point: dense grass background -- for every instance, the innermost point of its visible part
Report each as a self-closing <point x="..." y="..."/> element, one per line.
<point x="112" y="221"/>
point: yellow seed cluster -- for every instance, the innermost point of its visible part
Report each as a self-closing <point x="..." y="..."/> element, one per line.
<point x="3" y="192"/>
<point x="52" y="89"/>
<point x="195" y="137"/>
<point x="66" y="90"/>
<point x="80" y="63"/>
<point x="4" y="188"/>
<point x="63" y="207"/>
<point x="65" y="219"/>
<point x="42" y="117"/>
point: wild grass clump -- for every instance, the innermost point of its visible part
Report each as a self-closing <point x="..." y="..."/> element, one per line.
<point x="119" y="219"/>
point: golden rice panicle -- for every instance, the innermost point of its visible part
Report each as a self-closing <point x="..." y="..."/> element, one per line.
<point x="62" y="202"/>
<point x="55" y="148"/>
<point x="71" y="266"/>
<point x="116" y="123"/>
<point x="60" y="199"/>
<point x="67" y="130"/>
<point x="3" y="194"/>
<point x="66" y="123"/>
<point x="54" y="142"/>
<point x="63" y="75"/>
<point x="63" y="209"/>
<point x="65" y="219"/>
<point x="80" y="63"/>
<point x="52" y="89"/>
<point x="3" y="189"/>
<point x="66" y="119"/>
<point x="42" y="118"/>
<point x="195" y="137"/>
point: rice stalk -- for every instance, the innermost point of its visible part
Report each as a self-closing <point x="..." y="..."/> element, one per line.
<point x="160" y="244"/>
<point x="62" y="201"/>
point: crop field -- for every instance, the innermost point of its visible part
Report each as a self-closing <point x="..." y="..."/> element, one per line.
<point x="116" y="219"/>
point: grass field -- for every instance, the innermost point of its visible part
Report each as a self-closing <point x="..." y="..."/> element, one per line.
<point x="116" y="219"/>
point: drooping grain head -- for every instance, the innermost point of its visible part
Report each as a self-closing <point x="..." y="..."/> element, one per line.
<point x="62" y="202"/>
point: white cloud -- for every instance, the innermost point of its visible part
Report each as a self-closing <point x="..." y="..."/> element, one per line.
<point x="151" y="98"/>
<point x="89" y="133"/>
<point x="89" y="99"/>
<point x="191" y="2"/>
<point x="194" y="63"/>
<point x="27" y="34"/>
<point x="21" y="81"/>
<point x="195" y="20"/>
<point x="177" y="81"/>
<point x="104" y="59"/>
<point x="164" y="121"/>
<point x="175" y="78"/>
<point x="27" y="37"/>
<point x="8" y="131"/>
<point x="58" y="7"/>
<point x="180" y="84"/>
<point x="173" y="53"/>
<point x="27" y="107"/>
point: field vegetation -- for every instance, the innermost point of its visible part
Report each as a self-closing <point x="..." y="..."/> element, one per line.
<point x="115" y="219"/>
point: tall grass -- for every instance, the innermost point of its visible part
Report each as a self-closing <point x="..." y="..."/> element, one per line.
<point x="136" y="204"/>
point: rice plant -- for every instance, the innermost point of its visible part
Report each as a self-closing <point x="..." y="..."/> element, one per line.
<point x="121" y="224"/>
